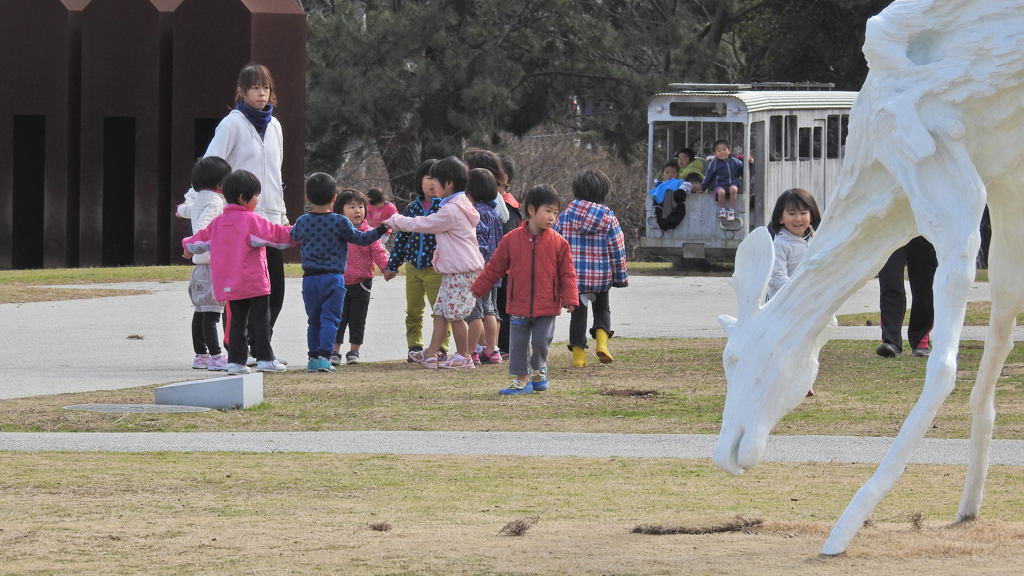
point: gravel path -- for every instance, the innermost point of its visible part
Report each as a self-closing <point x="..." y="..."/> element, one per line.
<point x="850" y="449"/>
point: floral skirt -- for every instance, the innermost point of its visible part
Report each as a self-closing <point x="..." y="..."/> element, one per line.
<point x="455" y="300"/>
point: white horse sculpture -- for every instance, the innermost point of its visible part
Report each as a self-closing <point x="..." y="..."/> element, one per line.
<point x="937" y="130"/>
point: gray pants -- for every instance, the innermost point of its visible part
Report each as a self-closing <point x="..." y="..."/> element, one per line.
<point x="521" y="331"/>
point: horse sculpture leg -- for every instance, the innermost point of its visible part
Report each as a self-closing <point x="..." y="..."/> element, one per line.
<point x="952" y="229"/>
<point x="1006" y="275"/>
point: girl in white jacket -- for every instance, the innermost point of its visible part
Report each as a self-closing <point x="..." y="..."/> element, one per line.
<point x="794" y="219"/>
<point x="250" y="138"/>
<point x="203" y="203"/>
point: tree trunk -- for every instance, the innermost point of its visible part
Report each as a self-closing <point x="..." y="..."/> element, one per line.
<point x="720" y="23"/>
<point x="400" y="150"/>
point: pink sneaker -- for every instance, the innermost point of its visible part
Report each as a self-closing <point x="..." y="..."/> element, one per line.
<point x="457" y="362"/>
<point x="494" y="358"/>
<point x="218" y="363"/>
<point x="425" y="361"/>
<point x="201" y="361"/>
<point x="476" y="359"/>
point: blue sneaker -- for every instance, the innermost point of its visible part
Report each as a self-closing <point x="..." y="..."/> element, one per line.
<point x="517" y="387"/>
<point x="320" y="364"/>
<point x="540" y="379"/>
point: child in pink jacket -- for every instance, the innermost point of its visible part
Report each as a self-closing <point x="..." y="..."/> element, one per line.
<point x="239" y="268"/>
<point x="457" y="257"/>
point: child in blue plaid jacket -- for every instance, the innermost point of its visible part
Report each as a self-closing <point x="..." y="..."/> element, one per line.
<point x="599" y="254"/>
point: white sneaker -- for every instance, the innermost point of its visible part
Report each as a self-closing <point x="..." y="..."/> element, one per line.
<point x="218" y="363"/>
<point x="270" y="366"/>
<point x="730" y="214"/>
<point x="237" y="369"/>
<point x="281" y="360"/>
<point x="722" y="212"/>
<point x="250" y="361"/>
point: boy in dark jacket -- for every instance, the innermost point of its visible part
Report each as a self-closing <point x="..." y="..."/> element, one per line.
<point x="541" y="281"/>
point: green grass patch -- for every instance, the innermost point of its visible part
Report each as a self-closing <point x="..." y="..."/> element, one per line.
<point x="977" y="315"/>
<point x="654" y="386"/>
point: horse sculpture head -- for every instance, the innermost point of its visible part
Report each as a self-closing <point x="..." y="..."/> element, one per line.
<point x="770" y="359"/>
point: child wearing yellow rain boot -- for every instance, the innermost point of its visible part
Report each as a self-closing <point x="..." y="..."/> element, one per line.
<point x="599" y="255"/>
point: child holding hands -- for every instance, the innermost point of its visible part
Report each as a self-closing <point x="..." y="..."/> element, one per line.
<point x="541" y="281"/>
<point x="238" y="263"/>
<point x="457" y="257"/>
<point x="325" y="236"/>
<point x="483" y="321"/>
<point x="358" y="276"/>
<point x="203" y="203"/>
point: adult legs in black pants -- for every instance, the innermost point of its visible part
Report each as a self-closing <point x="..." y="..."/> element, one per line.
<point x="918" y="257"/>
<point x="275" y="268"/>
<point x="505" y="324"/>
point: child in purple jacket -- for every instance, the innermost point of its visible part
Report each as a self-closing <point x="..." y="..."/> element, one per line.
<point x="483" y="191"/>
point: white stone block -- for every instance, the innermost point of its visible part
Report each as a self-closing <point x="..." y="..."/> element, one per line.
<point x="236" y="391"/>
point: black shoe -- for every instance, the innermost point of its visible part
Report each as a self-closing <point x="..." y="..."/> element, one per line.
<point x="411" y="350"/>
<point x="921" y="352"/>
<point x="442" y="355"/>
<point x="886" y="350"/>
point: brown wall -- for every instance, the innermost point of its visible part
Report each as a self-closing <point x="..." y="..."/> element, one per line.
<point x="110" y="93"/>
<point x="207" y="59"/>
<point x="40" y="43"/>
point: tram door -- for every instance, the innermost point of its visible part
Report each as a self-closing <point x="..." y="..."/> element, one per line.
<point x="758" y="150"/>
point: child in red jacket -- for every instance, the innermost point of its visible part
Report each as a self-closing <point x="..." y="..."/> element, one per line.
<point x="541" y="281"/>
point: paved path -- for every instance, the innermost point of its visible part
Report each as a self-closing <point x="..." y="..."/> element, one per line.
<point x="844" y="449"/>
<point x="83" y="345"/>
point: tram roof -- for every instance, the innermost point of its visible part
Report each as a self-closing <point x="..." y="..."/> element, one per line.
<point x="757" y="101"/>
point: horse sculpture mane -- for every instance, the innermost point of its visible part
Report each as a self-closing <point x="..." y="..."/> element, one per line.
<point x="935" y="133"/>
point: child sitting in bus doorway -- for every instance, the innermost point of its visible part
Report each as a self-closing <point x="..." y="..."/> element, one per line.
<point x="669" y="171"/>
<point x="723" y="177"/>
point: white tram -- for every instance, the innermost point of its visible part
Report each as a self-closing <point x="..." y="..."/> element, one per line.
<point x="795" y="132"/>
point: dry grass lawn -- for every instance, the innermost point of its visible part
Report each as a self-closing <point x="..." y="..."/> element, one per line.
<point x="654" y="386"/>
<point x="26" y="294"/>
<point x="311" y="513"/>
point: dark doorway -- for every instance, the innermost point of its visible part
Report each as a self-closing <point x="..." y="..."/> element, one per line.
<point x="205" y="129"/>
<point x="29" y="191"/>
<point x="118" y="191"/>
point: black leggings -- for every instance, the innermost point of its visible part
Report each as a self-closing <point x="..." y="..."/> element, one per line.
<point x="353" y="313"/>
<point x="204" y="333"/>
<point x="578" y="320"/>
<point x="275" y="268"/>
<point x="257" y="310"/>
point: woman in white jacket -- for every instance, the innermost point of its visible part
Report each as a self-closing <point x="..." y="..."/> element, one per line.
<point x="250" y="138"/>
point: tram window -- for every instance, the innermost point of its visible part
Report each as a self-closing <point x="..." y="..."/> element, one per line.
<point x="698" y="109"/>
<point x="816" y="144"/>
<point x="790" y="137"/>
<point x="833" y="137"/>
<point x="805" y="143"/>
<point x="845" y="130"/>
<point x="775" y="126"/>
